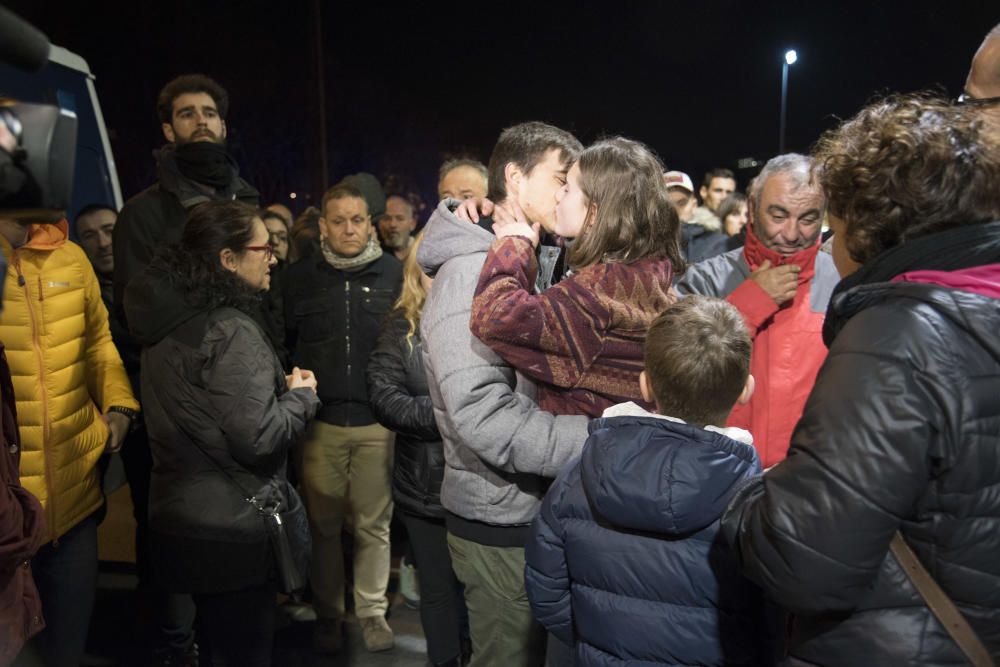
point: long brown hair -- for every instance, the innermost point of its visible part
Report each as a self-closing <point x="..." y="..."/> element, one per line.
<point x="634" y="217"/>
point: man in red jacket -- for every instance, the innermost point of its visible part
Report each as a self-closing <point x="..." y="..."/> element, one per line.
<point x="781" y="284"/>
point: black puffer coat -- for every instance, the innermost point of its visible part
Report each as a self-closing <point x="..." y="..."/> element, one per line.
<point x="902" y="431"/>
<point x="213" y="387"/>
<point x="397" y="388"/>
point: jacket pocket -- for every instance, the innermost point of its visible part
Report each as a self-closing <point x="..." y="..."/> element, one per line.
<point x="377" y="301"/>
<point x="312" y="317"/>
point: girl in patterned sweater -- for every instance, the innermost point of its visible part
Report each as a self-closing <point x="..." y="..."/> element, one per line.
<point x="582" y="339"/>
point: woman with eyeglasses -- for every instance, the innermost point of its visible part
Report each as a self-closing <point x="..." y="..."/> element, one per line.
<point x="221" y="416"/>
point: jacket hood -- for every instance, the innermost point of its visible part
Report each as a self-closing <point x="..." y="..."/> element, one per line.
<point x="46" y="236"/>
<point x="154" y="306"/>
<point x="447" y="236"/>
<point x="650" y="473"/>
<point x="976" y="314"/>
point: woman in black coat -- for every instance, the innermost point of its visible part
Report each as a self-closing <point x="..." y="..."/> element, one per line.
<point x="397" y="388"/>
<point x="902" y="429"/>
<point x="221" y="416"/>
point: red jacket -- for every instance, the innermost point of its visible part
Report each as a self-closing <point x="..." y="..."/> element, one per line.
<point x="22" y="532"/>
<point x="581" y="338"/>
<point x="788" y="347"/>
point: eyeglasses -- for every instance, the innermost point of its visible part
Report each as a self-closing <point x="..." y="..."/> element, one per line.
<point x="969" y="100"/>
<point x="267" y="249"/>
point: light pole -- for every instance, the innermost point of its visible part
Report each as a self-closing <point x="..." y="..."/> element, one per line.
<point x="790" y="58"/>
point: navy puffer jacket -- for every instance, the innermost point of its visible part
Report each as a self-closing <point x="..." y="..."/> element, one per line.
<point x="626" y="560"/>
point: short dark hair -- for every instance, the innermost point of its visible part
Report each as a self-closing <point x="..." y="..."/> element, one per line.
<point x="88" y="209"/>
<point x="698" y="359"/>
<point x="526" y="145"/>
<point x="718" y="172"/>
<point x="908" y="166"/>
<point x="190" y="83"/>
<point x="341" y="191"/>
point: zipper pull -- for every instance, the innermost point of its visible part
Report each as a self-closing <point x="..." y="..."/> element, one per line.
<point x="41" y="293"/>
<point x="20" y="279"/>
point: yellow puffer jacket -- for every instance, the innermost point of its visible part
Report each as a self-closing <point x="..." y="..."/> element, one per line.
<point x="66" y="372"/>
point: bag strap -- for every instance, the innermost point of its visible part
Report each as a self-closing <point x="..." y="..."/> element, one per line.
<point x="940" y="604"/>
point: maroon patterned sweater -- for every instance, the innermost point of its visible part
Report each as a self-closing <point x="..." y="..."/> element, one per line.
<point x="582" y="339"/>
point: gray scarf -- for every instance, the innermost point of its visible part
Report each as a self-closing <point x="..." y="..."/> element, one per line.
<point x="371" y="252"/>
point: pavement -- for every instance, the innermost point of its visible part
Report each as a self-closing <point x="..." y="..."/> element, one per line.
<point x="119" y="626"/>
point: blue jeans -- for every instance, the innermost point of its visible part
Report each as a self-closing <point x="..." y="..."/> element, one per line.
<point x="66" y="576"/>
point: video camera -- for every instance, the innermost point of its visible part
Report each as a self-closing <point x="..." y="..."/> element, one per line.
<point x="37" y="141"/>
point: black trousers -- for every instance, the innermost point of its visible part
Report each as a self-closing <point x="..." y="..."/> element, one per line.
<point x="442" y="605"/>
<point x="236" y="629"/>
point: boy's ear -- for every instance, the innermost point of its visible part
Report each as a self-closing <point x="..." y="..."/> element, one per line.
<point x="645" y="389"/>
<point x="747" y="391"/>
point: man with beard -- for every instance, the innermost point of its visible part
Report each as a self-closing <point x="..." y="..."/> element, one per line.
<point x="782" y="285"/>
<point x="194" y="167"/>
<point x="396" y="226"/>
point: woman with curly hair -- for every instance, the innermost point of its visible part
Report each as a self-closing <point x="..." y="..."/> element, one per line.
<point x="221" y="416"/>
<point x="899" y="442"/>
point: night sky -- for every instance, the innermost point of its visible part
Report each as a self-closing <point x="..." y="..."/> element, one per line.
<point x="408" y="85"/>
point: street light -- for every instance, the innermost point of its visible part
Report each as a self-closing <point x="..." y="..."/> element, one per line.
<point x="790" y="58"/>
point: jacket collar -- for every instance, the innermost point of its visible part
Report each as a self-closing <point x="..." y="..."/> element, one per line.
<point x="187" y="191"/>
<point x="756" y="253"/>
<point x="48" y="236"/>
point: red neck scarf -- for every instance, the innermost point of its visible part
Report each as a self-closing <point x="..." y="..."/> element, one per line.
<point x="756" y="253"/>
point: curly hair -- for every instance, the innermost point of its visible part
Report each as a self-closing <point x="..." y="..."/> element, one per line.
<point x="194" y="267"/>
<point x="908" y="166"/>
<point x="190" y="83"/>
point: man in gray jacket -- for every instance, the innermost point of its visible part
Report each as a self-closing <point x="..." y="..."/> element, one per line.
<point x="501" y="451"/>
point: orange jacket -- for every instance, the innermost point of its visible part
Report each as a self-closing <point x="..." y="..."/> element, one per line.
<point x="66" y="372"/>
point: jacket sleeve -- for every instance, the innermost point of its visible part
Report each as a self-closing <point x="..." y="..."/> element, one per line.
<point x="239" y="380"/>
<point x="504" y="428"/>
<point x="546" y="574"/>
<point x="530" y="331"/>
<point x="815" y="529"/>
<point x="107" y="381"/>
<point x="133" y="251"/>
<point x="394" y="406"/>
<point x="756" y="305"/>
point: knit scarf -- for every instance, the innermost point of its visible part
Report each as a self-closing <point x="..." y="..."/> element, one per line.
<point x="371" y="252"/>
<point x="205" y="162"/>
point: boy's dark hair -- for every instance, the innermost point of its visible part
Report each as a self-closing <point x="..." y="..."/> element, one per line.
<point x="525" y="145"/>
<point x="698" y="359"/>
<point x="190" y="83"/>
<point x="718" y="172"/>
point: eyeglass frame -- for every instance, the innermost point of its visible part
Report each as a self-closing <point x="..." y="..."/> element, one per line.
<point x="966" y="99"/>
<point x="267" y="249"/>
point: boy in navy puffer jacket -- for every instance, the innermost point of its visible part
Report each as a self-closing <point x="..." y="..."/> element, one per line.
<point x="625" y="560"/>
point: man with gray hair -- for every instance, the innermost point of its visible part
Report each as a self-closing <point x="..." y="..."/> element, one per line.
<point x="781" y="284"/>
<point x="462" y="179"/>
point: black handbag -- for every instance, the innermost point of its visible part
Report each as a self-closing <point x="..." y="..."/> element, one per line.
<point x="288" y="531"/>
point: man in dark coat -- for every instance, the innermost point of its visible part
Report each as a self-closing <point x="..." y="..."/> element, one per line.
<point x="194" y="167"/>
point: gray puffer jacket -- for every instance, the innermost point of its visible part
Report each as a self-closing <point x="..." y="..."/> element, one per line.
<point x="501" y="451"/>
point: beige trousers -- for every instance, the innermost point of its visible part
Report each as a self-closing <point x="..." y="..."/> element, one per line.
<point x="346" y="473"/>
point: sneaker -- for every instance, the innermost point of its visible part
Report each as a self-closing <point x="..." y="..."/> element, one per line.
<point x="328" y="635"/>
<point x="376" y="633"/>
<point x="409" y="586"/>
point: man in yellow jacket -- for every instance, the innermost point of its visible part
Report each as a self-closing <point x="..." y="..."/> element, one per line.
<point x="74" y="403"/>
